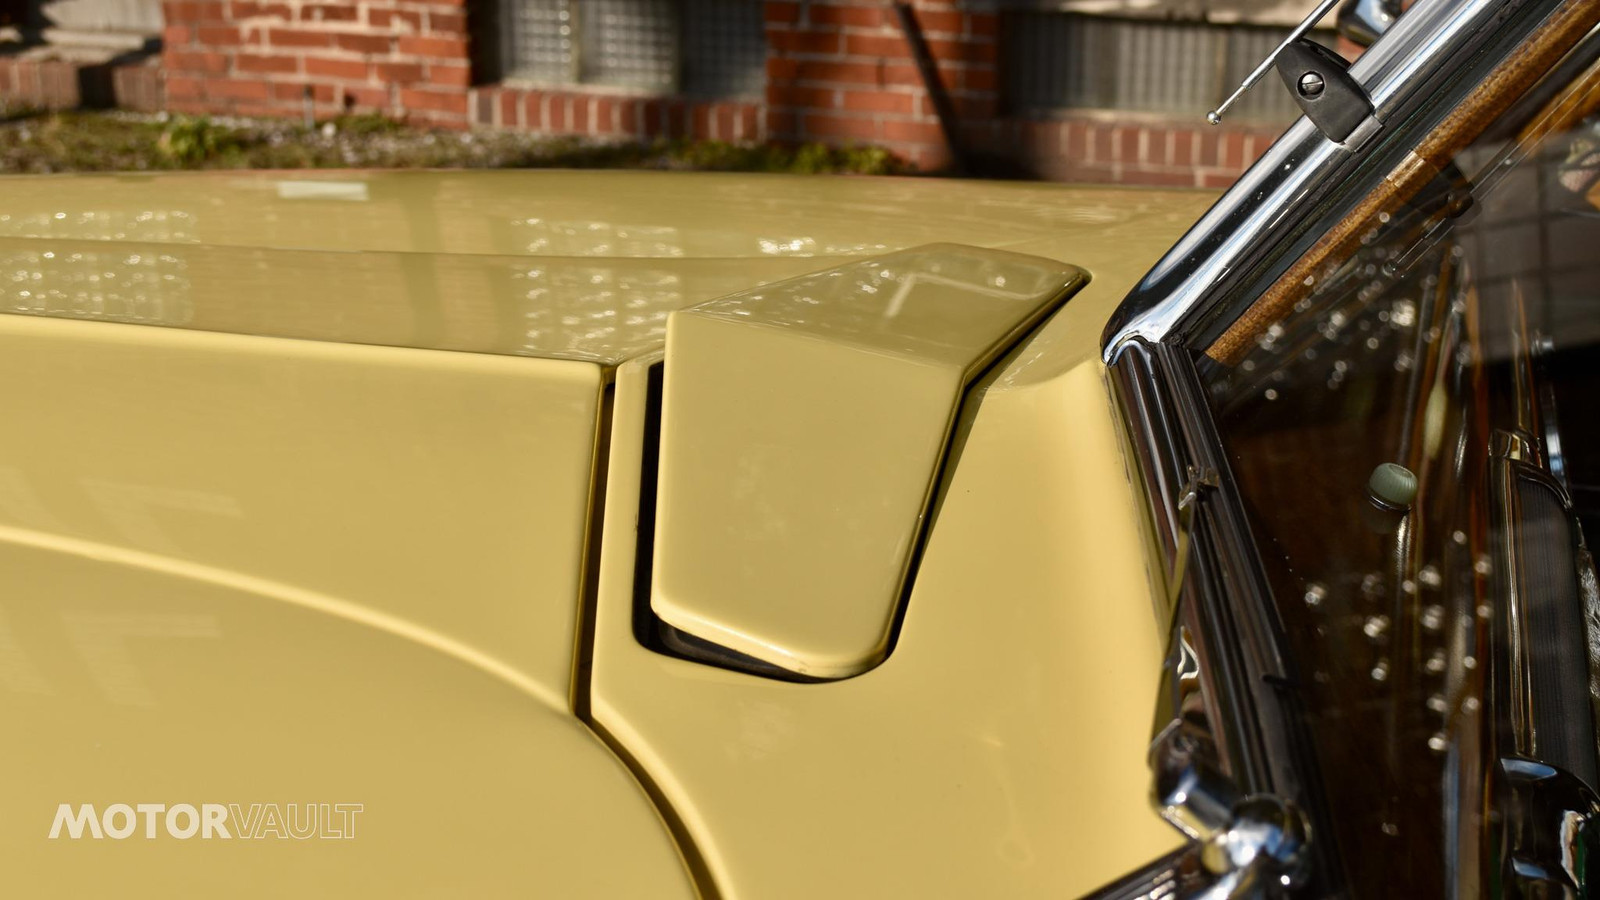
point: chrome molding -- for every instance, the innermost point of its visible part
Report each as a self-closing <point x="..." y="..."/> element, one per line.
<point x="1319" y="82"/>
<point x="1167" y="878"/>
<point x="1232" y="767"/>
<point x="1232" y="763"/>
<point x="1267" y="218"/>
<point x="1243" y="842"/>
<point x="1363" y="21"/>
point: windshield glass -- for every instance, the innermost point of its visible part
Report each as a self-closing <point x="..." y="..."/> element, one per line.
<point x="1418" y="448"/>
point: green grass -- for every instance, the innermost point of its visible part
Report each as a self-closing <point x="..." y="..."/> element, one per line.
<point x="111" y="141"/>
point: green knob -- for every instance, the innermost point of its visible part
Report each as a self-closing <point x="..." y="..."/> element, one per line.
<point x="1393" y="484"/>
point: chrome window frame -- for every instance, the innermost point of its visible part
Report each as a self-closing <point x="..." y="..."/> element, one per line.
<point x="1153" y="347"/>
<point x="1263" y="222"/>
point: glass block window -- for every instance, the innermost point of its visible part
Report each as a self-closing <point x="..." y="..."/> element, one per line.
<point x="724" y="48"/>
<point x="629" y="43"/>
<point x="1055" y="60"/>
<point x="541" y="40"/>
<point x="714" y="48"/>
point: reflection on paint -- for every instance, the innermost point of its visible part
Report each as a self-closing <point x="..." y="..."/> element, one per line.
<point x="322" y="190"/>
<point x="116" y="286"/>
<point x="540" y="237"/>
<point x="18" y="673"/>
<point x="131" y="509"/>
<point x="96" y="222"/>
<point x="572" y="307"/>
<point x="568" y="265"/>
<point x="21" y="504"/>
<point x="765" y="729"/>
<point x="105" y="643"/>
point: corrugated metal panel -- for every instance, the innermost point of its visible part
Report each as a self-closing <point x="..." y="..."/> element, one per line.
<point x="1056" y="60"/>
<point x="540" y="40"/>
<point x="629" y="43"/>
<point x="724" y="48"/>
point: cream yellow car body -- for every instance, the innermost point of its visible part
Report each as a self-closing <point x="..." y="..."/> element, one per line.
<point x="360" y="526"/>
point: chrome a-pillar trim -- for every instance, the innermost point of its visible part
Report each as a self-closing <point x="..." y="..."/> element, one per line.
<point x="1242" y="842"/>
<point x="1247" y="737"/>
<point x="1231" y="762"/>
<point x="1268" y="217"/>
<point x="1363" y="21"/>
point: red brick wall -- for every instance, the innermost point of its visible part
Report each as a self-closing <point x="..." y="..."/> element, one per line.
<point x="1103" y="148"/>
<point x="838" y="71"/>
<point x="843" y="71"/>
<point x="609" y="115"/>
<point x="404" y="58"/>
<point x="44" y="83"/>
<point x="255" y="58"/>
<point x="38" y="78"/>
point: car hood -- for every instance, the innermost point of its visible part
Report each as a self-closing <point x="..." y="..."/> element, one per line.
<point x="555" y="264"/>
<point x="236" y="570"/>
<point x="350" y="754"/>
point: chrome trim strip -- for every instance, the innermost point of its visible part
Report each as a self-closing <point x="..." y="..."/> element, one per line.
<point x="1241" y="698"/>
<point x="1165" y="878"/>
<point x="1265" y="215"/>
<point x="1224" y="611"/>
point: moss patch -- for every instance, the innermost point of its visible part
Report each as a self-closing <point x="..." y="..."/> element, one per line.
<point x="101" y="141"/>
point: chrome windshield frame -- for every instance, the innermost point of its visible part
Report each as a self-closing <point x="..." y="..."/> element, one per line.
<point x="1153" y="346"/>
<point x="1251" y="729"/>
<point x="1201" y="285"/>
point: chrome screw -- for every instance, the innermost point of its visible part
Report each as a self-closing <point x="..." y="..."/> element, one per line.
<point x="1311" y="85"/>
